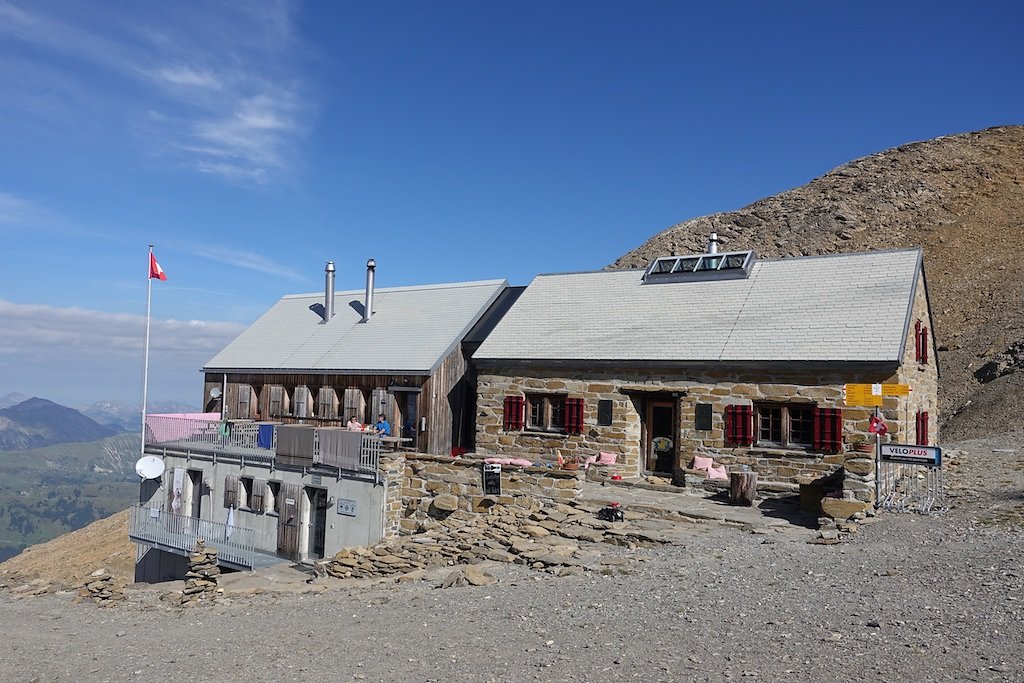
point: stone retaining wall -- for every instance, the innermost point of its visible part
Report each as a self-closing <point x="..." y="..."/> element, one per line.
<point x="434" y="486"/>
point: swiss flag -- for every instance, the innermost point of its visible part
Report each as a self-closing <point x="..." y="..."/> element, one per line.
<point x="155" y="271"/>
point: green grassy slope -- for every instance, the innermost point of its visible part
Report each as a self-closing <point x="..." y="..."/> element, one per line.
<point x="46" y="492"/>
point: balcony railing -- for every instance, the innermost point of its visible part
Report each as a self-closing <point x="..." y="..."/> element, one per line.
<point x="258" y="442"/>
<point x="169" y="531"/>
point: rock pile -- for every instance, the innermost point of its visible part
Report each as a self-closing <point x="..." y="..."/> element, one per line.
<point x="101" y="588"/>
<point x="201" y="578"/>
<point x="547" y="539"/>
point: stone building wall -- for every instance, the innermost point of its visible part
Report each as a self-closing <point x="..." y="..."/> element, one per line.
<point x="628" y="389"/>
<point x="436" y="485"/>
<point x="392" y="469"/>
<point x="923" y="379"/>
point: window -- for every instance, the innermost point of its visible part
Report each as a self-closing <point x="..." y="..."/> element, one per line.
<point x="545" y="412"/>
<point x="272" y="495"/>
<point x="798" y="425"/>
<point x="244" y="492"/>
<point x="784" y="424"/>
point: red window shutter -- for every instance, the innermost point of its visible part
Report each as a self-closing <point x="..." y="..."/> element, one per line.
<point x="730" y="425"/>
<point x="828" y="430"/>
<point x="739" y="428"/>
<point x="513" y="417"/>
<point x="917" y="341"/>
<point x="746" y="425"/>
<point x="922" y="428"/>
<point x="924" y="345"/>
<point x="574" y="415"/>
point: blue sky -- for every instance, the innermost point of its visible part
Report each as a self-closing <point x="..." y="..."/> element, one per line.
<point x="253" y="141"/>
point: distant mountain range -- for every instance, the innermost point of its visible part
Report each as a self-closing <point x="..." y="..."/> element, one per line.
<point x="12" y="399"/>
<point x="126" y="418"/>
<point x="36" y="422"/>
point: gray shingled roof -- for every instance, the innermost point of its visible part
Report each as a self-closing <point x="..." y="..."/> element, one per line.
<point x="412" y="331"/>
<point x="851" y="307"/>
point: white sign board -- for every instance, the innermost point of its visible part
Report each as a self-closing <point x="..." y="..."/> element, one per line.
<point x="929" y="456"/>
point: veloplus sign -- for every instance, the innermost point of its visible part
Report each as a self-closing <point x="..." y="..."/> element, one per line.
<point x="928" y="456"/>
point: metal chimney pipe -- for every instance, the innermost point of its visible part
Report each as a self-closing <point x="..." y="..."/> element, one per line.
<point x="371" y="265"/>
<point x="329" y="291"/>
<point x="713" y="243"/>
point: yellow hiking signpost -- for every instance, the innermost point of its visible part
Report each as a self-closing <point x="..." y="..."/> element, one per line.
<point x="872" y="394"/>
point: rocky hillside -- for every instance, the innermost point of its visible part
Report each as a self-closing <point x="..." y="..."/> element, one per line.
<point x="959" y="197"/>
<point x="37" y="422"/>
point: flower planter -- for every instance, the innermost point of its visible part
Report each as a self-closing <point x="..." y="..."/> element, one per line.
<point x="571" y="466"/>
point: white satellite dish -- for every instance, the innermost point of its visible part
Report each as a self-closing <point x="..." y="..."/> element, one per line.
<point x="215" y="392"/>
<point x="149" y="467"/>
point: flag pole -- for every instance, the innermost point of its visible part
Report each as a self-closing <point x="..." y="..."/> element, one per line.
<point x="145" y="362"/>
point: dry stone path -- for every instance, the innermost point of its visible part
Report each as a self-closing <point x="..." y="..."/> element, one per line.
<point x="557" y="538"/>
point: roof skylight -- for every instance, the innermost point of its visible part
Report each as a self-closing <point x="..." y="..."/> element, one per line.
<point x="724" y="266"/>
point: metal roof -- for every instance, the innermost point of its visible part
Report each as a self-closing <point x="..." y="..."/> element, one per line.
<point x="850" y="307"/>
<point x="411" y="331"/>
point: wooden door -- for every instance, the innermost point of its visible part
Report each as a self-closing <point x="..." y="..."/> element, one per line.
<point x="288" y="521"/>
<point x="660" y="438"/>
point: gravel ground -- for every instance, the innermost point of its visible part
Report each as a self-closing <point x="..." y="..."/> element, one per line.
<point x="907" y="598"/>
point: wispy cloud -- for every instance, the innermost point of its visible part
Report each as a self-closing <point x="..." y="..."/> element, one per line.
<point x="212" y="86"/>
<point x="16" y="211"/>
<point x="248" y="260"/>
<point x="81" y="355"/>
<point x="34" y="331"/>
<point x="188" y="77"/>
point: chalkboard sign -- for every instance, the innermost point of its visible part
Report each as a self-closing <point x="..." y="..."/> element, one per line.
<point x="604" y="412"/>
<point x="704" y="416"/>
<point x="492" y="480"/>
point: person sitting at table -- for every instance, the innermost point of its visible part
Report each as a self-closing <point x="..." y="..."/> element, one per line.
<point x="383" y="428"/>
<point x="353" y="425"/>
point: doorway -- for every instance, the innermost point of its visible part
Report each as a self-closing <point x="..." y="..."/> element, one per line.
<point x="317" y="523"/>
<point x="407" y="401"/>
<point x="660" y="437"/>
<point x="195" y="492"/>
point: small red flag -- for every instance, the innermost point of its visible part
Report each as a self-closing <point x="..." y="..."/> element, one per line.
<point x="155" y="271"/>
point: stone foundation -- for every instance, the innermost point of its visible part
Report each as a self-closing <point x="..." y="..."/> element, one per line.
<point x="433" y="487"/>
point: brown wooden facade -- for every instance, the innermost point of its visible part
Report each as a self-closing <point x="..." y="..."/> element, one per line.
<point x="434" y="410"/>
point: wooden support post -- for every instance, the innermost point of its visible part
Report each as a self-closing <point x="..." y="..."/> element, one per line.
<point x="742" y="488"/>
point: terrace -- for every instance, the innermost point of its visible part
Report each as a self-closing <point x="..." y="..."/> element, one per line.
<point x="329" y="450"/>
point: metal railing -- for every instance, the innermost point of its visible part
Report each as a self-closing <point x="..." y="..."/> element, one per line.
<point x="238" y="437"/>
<point x="253" y="441"/>
<point x="235" y="545"/>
